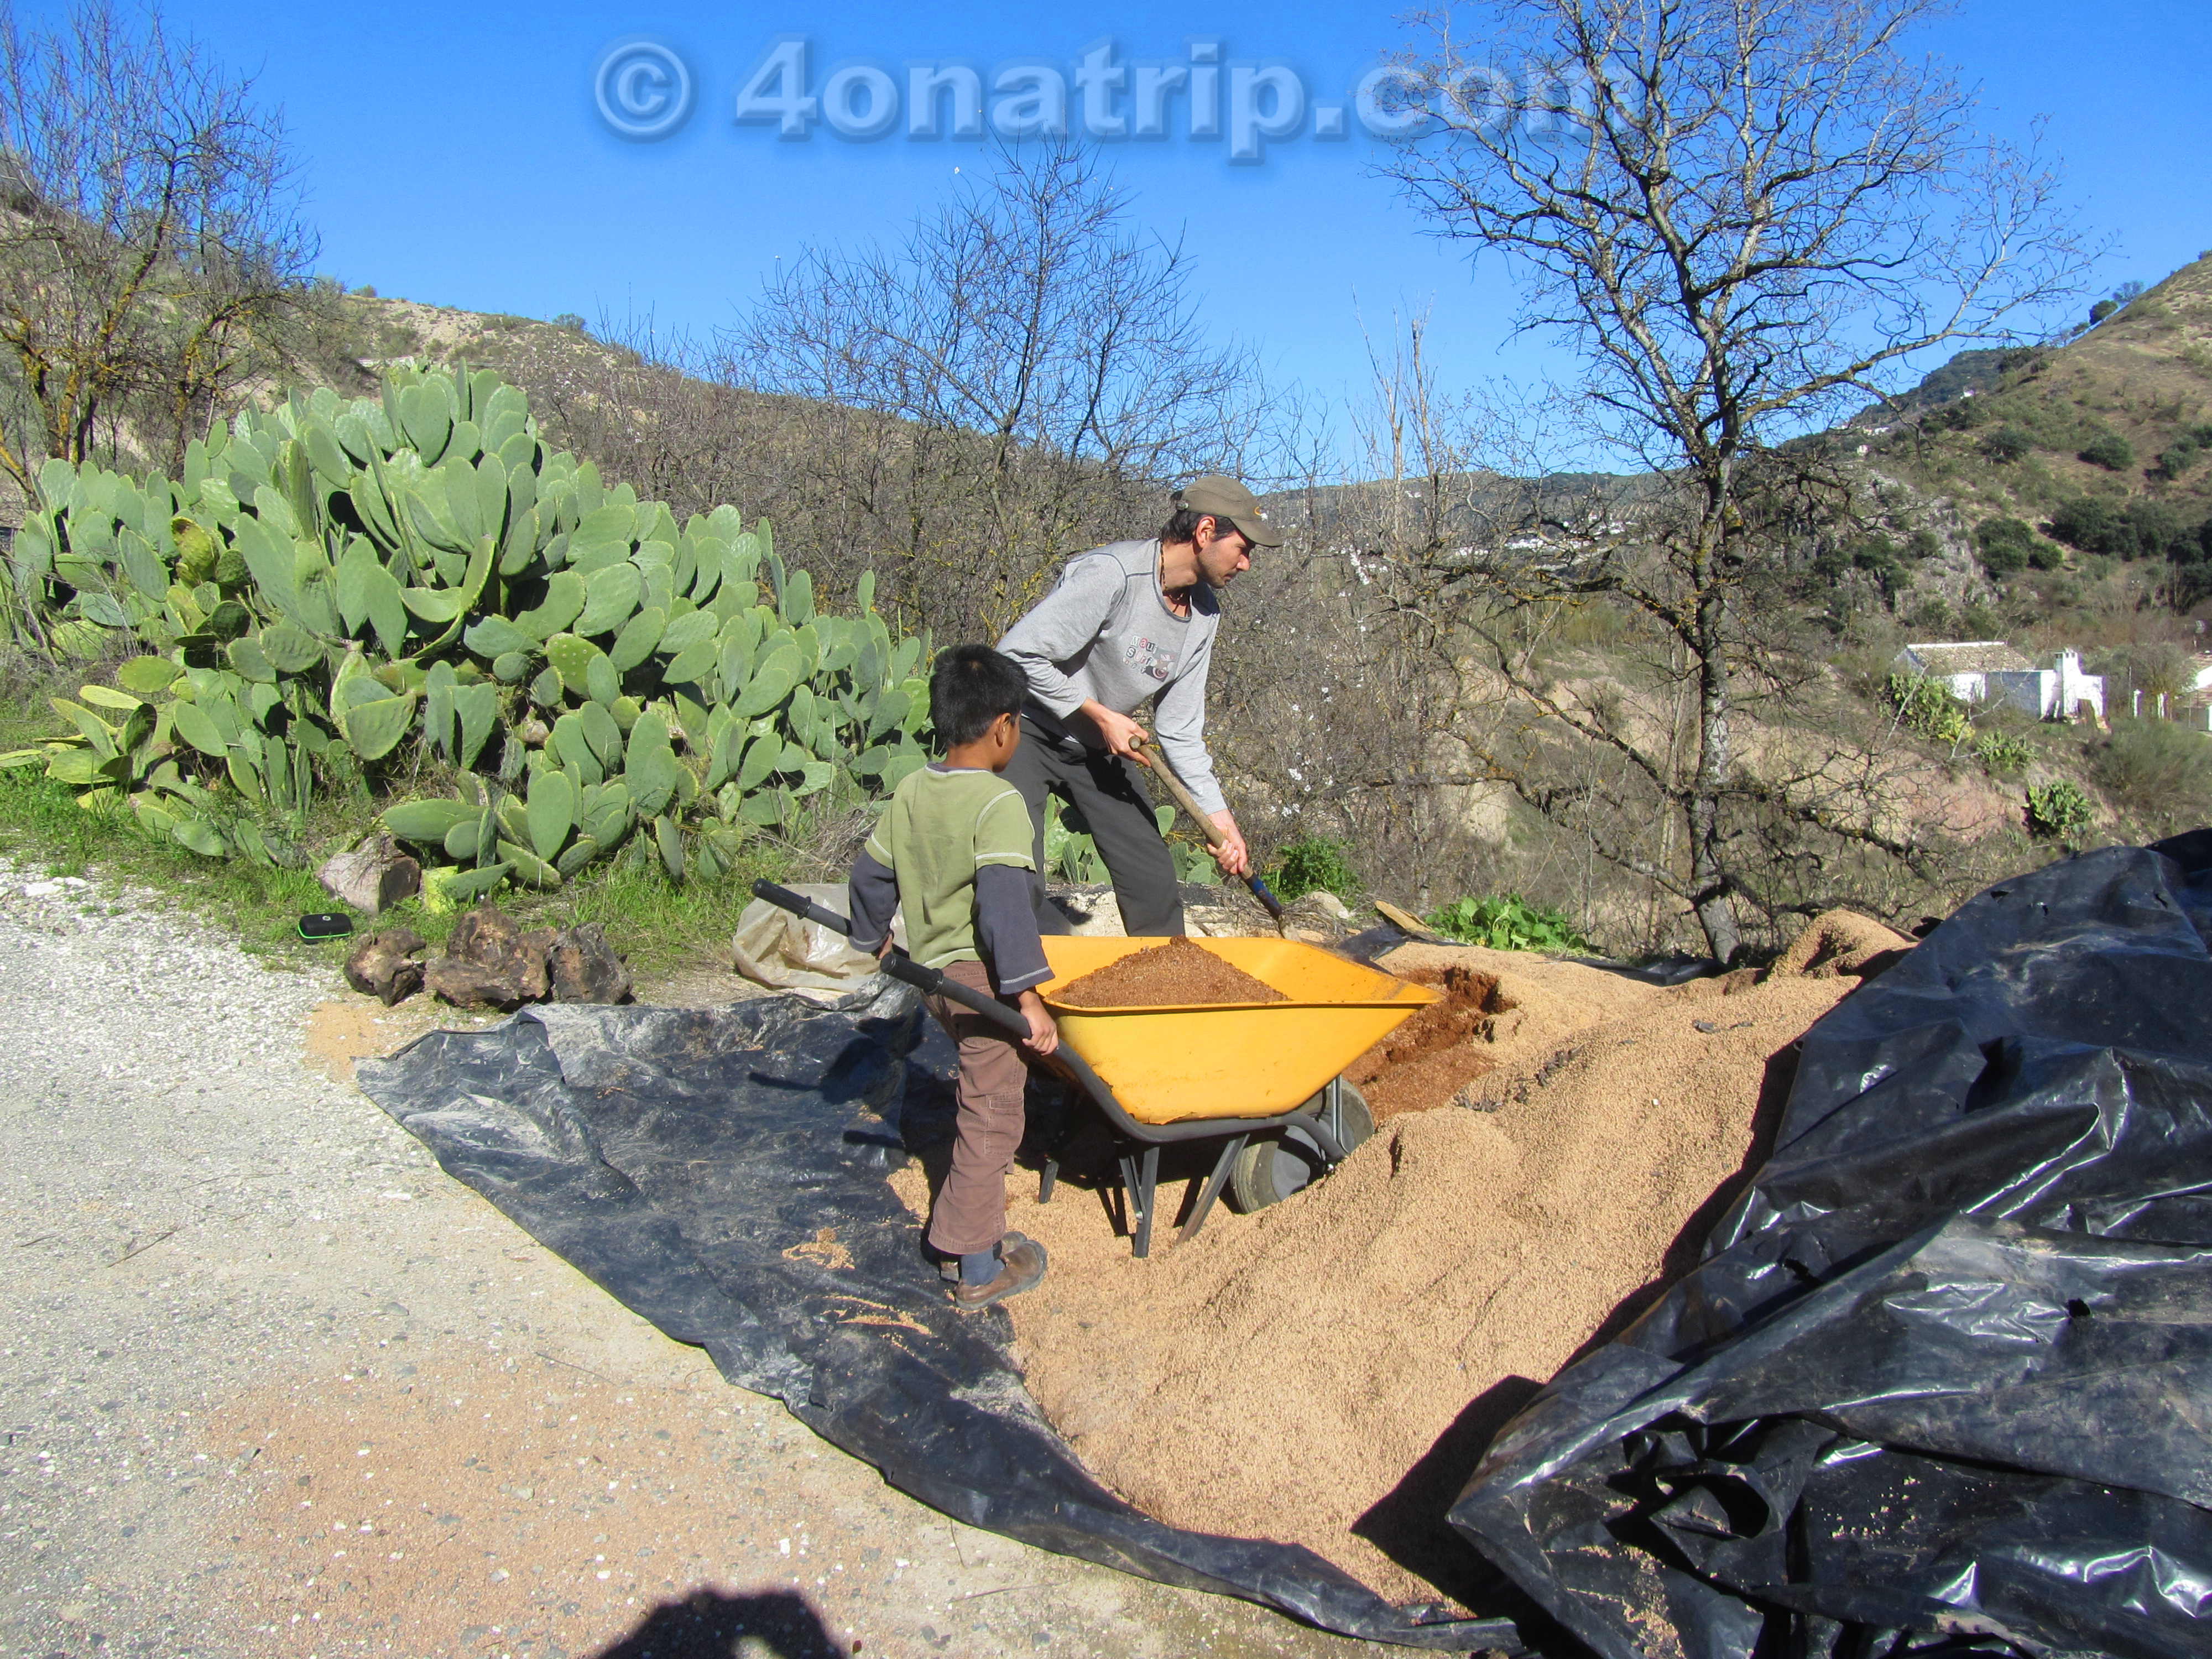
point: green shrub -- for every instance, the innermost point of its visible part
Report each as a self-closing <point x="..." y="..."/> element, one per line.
<point x="1314" y="864"/>
<point x="1507" y="923"/>
<point x="1926" y="707"/>
<point x="2002" y="754"/>
<point x="2177" y="457"/>
<point x="2136" y="529"/>
<point x="2058" y="810"/>
<point x="2005" y="546"/>
<point x="2110" y="451"/>
<point x="1877" y="556"/>
<point x="2007" y="444"/>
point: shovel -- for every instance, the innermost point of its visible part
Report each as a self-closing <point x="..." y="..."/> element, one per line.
<point x="1149" y="753"/>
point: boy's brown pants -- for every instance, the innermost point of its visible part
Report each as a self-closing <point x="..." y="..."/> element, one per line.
<point x="970" y="1213"/>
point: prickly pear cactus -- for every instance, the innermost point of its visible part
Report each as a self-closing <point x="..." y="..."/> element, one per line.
<point x="338" y="591"/>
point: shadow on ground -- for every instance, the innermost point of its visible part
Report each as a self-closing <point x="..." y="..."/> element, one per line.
<point x="709" y="1624"/>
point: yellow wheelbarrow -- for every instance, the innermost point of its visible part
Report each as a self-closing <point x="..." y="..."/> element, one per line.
<point x="1264" y="1078"/>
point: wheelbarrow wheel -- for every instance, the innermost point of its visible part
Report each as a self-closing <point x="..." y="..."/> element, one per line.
<point x="1270" y="1169"/>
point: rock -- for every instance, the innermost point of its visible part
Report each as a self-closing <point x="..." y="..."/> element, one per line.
<point x="491" y="961"/>
<point x="1318" y="918"/>
<point x="374" y="877"/>
<point x="383" y="965"/>
<point x="1225" y="922"/>
<point x="584" y="966"/>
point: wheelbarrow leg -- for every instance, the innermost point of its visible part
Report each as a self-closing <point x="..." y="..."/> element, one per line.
<point x="1211" y="1190"/>
<point x="1071" y="1125"/>
<point x="1150" y="1180"/>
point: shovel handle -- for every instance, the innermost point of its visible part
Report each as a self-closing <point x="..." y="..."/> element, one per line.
<point x="1154" y="757"/>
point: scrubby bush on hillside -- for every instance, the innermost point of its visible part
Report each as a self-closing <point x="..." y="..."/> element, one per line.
<point x="2007" y="546"/>
<point x="1877" y="556"/>
<point x="1967" y="413"/>
<point x="2160" y="771"/>
<point x="2110" y="451"/>
<point x="2133" y="530"/>
<point x="2007" y="444"/>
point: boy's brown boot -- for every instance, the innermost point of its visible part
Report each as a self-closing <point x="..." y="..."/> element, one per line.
<point x="949" y="1268"/>
<point x="1021" y="1267"/>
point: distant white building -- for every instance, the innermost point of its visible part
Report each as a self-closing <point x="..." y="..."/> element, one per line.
<point x="1990" y="671"/>
<point x="1964" y="666"/>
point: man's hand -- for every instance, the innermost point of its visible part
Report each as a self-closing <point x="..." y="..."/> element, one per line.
<point x="1121" y="733"/>
<point x="1044" y="1035"/>
<point x="1234" y="858"/>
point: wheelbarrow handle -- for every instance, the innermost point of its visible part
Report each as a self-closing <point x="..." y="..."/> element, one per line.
<point x="897" y="963"/>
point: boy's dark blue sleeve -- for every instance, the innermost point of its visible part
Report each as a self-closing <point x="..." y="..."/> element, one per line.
<point x="1005" y="928"/>
<point x="870" y="900"/>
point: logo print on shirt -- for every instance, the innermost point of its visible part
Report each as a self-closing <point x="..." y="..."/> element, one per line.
<point x="1153" y="661"/>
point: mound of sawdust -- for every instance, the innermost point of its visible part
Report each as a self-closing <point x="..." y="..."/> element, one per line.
<point x="1841" y="942"/>
<point x="1305" y="1374"/>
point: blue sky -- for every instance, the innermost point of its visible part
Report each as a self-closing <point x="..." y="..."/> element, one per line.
<point x="454" y="153"/>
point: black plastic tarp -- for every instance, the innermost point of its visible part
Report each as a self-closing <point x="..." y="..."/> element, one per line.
<point x="1942" y="1379"/>
<point x="722" y="1173"/>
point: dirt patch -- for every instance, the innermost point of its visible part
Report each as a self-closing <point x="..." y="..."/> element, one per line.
<point x="457" y="1508"/>
<point x="1328" y="1371"/>
<point x="1425" y="1062"/>
<point x="1179" y="974"/>
<point x="347" y="1029"/>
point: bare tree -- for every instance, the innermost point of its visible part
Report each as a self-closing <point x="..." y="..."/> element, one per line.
<point x="1740" y="215"/>
<point x="150" y="235"/>
<point x="1021" y="377"/>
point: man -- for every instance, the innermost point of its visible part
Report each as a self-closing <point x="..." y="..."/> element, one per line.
<point x="1130" y="622"/>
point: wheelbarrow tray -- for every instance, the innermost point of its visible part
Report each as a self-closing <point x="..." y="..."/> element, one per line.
<point x="1233" y="1059"/>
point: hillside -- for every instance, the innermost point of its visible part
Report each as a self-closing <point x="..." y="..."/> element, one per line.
<point x="2121" y="416"/>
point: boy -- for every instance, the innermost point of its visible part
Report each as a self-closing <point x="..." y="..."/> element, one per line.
<point x="953" y="849"/>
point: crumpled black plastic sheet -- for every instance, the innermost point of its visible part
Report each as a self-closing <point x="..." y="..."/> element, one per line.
<point x="722" y="1173"/>
<point x="1942" y="1382"/>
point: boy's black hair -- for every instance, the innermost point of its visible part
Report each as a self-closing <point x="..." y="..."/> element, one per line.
<point x="972" y="686"/>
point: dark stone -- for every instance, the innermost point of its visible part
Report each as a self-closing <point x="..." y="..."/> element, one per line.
<point x="383" y="965"/>
<point x="490" y="961"/>
<point x="374" y="877"/>
<point x="585" y="967"/>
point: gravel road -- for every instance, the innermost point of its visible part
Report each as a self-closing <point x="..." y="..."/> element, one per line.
<point x="273" y="1386"/>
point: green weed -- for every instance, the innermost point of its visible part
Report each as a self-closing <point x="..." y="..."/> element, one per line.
<point x="1509" y="922"/>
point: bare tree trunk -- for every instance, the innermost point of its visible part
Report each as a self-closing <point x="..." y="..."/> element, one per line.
<point x="1709" y="861"/>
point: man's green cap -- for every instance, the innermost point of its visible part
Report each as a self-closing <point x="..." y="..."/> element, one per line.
<point x="1225" y="498"/>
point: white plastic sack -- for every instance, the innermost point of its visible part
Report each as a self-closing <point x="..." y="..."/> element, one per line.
<point x="775" y="948"/>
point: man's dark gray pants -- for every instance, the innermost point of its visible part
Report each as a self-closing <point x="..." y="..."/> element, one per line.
<point x="1109" y="792"/>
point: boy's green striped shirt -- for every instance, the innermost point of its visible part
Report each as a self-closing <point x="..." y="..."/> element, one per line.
<point x="940" y="828"/>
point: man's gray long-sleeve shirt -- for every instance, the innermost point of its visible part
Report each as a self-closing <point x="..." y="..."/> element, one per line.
<point x="1106" y="632"/>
